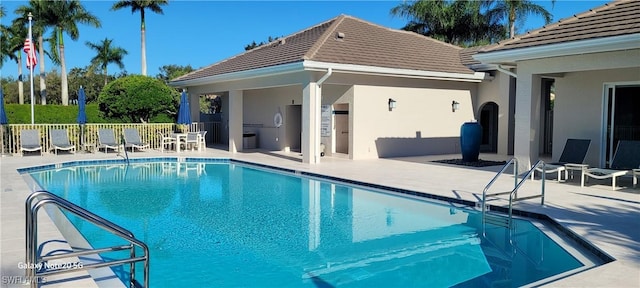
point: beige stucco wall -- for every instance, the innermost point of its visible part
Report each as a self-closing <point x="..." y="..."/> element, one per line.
<point x="497" y="90"/>
<point x="422" y="124"/>
<point x="579" y="108"/>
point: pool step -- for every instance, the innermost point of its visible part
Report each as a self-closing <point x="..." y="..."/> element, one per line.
<point x="495" y="219"/>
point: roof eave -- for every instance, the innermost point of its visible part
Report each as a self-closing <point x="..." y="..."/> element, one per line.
<point x="397" y="72"/>
<point x="605" y="44"/>
<point x="242" y="75"/>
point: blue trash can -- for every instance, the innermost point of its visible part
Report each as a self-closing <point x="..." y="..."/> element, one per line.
<point x="470" y="138"/>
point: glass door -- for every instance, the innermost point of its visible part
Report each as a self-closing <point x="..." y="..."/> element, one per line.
<point x="623" y="116"/>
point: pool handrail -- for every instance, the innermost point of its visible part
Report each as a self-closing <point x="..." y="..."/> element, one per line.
<point x="43" y="198"/>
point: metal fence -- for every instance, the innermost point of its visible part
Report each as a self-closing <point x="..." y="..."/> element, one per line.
<point x="85" y="136"/>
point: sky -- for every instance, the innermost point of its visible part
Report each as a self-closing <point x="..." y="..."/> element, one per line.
<point x="201" y="33"/>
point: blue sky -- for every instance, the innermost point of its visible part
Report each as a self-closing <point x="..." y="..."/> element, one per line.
<point x="200" y="33"/>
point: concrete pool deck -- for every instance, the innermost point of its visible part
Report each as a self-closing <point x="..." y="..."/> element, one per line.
<point x="608" y="219"/>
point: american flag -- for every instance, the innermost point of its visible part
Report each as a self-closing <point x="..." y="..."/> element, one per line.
<point x="32" y="60"/>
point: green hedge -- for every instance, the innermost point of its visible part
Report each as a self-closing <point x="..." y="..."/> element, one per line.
<point x="51" y="114"/>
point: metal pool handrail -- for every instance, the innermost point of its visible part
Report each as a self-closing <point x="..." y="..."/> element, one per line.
<point x="513" y="196"/>
<point x="42" y="198"/>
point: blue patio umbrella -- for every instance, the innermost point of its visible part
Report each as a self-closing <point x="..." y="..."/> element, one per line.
<point x="184" y="115"/>
<point x="3" y="119"/>
<point x="3" y="115"/>
<point x="82" y="114"/>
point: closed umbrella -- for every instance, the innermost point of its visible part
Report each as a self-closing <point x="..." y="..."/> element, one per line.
<point x="3" y="118"/>
<point x="82" y="114"/>
<point x="184" y="114"/>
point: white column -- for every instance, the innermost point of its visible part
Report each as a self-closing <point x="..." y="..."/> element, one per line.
<point x="235" y="121"/>
<point x="310" y="124"/>
<point x="527" y="119"/>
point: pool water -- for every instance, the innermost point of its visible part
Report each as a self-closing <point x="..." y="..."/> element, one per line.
<point x="233" y="225"/>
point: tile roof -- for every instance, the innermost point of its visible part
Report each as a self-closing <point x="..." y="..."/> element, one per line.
<point x="612" y="19"/>
<point x="361" y="43"/>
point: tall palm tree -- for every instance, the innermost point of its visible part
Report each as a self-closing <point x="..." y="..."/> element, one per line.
<point x="518" y="10"/>
<point x="141" y="5"/>
<point x="13" y="41"/>
<point x="64" y="15"/>
<point x="37" y="8"/>
<point x="458" y="22"/>
<point x="105" y="55"/>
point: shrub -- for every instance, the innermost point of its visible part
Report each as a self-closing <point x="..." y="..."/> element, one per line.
<point x="137" y="98"/>
<point x="51" y="114"/>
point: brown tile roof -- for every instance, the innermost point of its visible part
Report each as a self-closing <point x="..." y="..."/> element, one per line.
<point x="363" y="43"/>
<point x="612" y="19"/>
<point x="466" y="54"/>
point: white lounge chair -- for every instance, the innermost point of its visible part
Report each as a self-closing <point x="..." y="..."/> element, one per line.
<point x="107" y="140"/>
<point x="30" y="141"/>
<point x="574" y="152"/>
<point x="132" y="140"/>
<point x="625" y="160"/>
<point x="60" y="141"/>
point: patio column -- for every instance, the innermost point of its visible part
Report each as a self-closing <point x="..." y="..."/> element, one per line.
<point x="235" y="121"/>
<point x="310" y="123"/>
<point x="527" y="119"/>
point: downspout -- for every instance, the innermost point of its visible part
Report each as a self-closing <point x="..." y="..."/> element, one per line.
<point x="505" y="71"/>
<point x="319" y="113"/>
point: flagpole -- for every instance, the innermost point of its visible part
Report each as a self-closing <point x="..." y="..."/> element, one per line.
<point x="31" y="67"/>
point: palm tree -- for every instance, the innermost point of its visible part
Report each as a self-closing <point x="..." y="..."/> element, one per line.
<point x="37" y="8"/>
<point x="106" y="54"/>
<point x="517" y="10"/>
<point x="141" y="5"/>
<point x="12" y="43"/>
<point x="64" y="15"/>
<point x="458" y="22"/>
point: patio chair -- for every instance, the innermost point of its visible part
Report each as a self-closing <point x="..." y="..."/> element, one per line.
<point x="625" y="160"/>
<point x="60" y="141"/>
<point x="132" y="140"/>
<point x="203" y="140"/>
<point x="30" y="141"/>
<point x="166" y="141"/>
<point x="192" y="140"/>
<point x="107" y="140"/>
<point x="574" y="152"/>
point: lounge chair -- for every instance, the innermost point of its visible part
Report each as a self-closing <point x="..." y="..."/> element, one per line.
<point x="107" y="140"/>
<point x="30" y="141"/>
<point x="60" y="141"/>
<point x="625" y="160"/>
<point x="132" y="139"/>
<point x="574" y="152"/>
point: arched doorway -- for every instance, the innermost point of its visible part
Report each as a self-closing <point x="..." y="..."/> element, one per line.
<point x="489" y="122"/>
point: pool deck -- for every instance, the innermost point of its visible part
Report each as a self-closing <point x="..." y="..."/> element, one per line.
<point x="608" y="219"/>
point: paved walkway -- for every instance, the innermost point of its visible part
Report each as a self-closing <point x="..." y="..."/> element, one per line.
<point x="608" y="219"/>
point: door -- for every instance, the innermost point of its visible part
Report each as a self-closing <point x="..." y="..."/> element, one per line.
<point x="341" y="116"/>
<point x="622" y="116"/>
<point x="489" y="123"/>
<point x="293" y="120"/>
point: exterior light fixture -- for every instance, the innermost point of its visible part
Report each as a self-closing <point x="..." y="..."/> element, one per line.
<point x="392" y="104"/>
<point x="455" y="106"/>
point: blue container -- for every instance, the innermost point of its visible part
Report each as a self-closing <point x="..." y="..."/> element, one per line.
<point x="470" y="138"/>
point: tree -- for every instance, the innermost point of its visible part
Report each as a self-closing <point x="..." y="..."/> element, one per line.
<point x="138" y="98"/>
<point x="38" y="8"/>
<point x="141" y="5"/>
<point x="91" y="82"/>
<point x="255" y="45"/>
<point x="168" y="72"/>
<point x="458" y="22"/>
<point x="64" y="15"/>
<point x="12" y="43"/>
<point x="105" y="55"/>
<point x="517" y="10"/>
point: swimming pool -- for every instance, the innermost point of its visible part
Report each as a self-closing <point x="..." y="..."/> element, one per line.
<point x="230" y="224"/>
